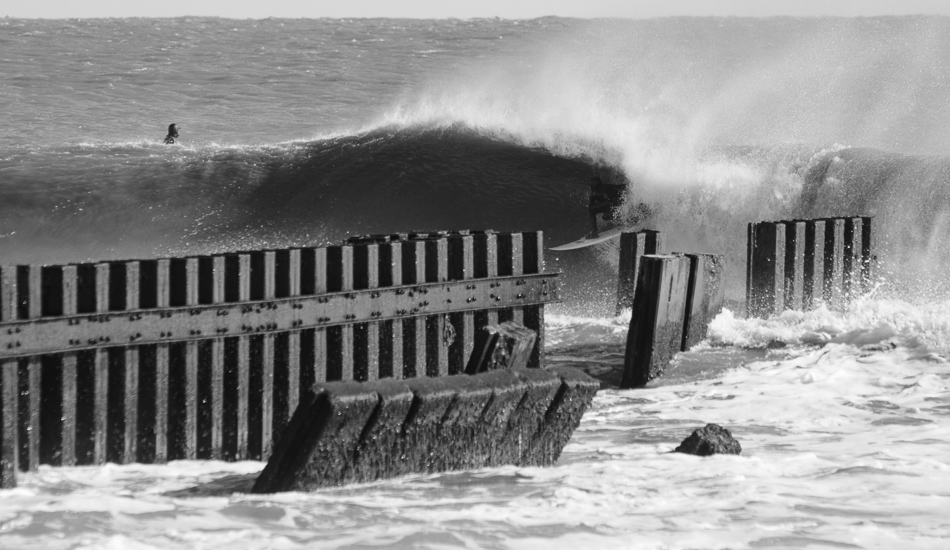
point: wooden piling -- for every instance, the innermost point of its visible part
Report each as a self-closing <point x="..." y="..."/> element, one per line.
<point x="833" y="292"/>
<point x="657" y="319"/>
<point x="633" y="246"/>
<point x="795" y="242"/>
<point x="704" y="296"/>
<point x="765" y="287"/>
<point x="9" y="451"/>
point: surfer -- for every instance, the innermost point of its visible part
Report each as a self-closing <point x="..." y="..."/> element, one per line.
<point x="604" y="199"/>
<point x="172" y="136"/>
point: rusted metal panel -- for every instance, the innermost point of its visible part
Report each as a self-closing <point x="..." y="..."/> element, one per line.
<point x="57" y="334"/>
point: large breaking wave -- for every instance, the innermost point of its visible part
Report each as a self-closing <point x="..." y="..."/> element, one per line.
<point x="144" y="200"/>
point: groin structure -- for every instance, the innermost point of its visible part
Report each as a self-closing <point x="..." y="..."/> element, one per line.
<point x="209" y="357"/>
<point x="799" y="264"/>
<point x="677" y="295"/>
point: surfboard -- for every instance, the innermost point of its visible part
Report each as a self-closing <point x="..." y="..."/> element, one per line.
<point x="585" y="242"/>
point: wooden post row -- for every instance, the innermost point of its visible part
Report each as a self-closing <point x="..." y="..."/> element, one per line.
<point x="801" y="264"/>
<point x="223" y="396"/>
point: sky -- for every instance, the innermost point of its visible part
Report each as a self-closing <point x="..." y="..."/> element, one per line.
<point x="511" y="9"/>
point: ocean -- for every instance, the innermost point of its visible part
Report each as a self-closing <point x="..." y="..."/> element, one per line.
<point x="305" y="131"/>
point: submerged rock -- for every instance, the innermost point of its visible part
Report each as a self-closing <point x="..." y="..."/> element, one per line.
<point x="710" y="440"/>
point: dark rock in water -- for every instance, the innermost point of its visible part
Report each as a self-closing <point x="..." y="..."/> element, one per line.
<point x="711" y="440"/>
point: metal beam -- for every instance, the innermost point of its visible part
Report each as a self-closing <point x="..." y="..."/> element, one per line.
<point x="197" y="322"/>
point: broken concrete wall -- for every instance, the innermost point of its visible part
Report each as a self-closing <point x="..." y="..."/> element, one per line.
<point x="349" y="432"/>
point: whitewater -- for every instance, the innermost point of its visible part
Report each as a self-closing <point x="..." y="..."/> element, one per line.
<point x="302" y="132"/>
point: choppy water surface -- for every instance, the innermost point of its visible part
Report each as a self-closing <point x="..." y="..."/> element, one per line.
<point x="844" y="446"/>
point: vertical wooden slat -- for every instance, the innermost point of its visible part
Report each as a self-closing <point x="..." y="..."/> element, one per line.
<point x="217" y="398"/>
<point x="813" y="282"/>
<point x="130" y="401"/>
<point x="133" y="289"/>
<point x="70" y="287"/>
<point x="210" y="357"/>
<point x="110" y="364"/>
<point x="794" y="264"/>
<point x="9" y="416"/>
<point x="852" y="258"/>
<point x="366" y="335"/>
<point x="191" y="400"/>
<point x="293" y="372"/>
<point x="397" y="367"/>
<point x="318" y="371"/>
<point x="286" y="361"/>
<point x="340" y="338"/>
<point x="632" y="248"/>
<point x="146" y="403"/>
<point x="766" y="290"/>
<point x="29" y="284"/>
<point x="68" y="435"/>
<point x="28" y="306"/>
<point x="102" y="275"/>
<point x="217" y="364"/>
<point x="834" y="262"/>
<point x="533" y="318"/>
<point x="243" y="388"/>
<point x="267" y="395"/>
<point x="161" y="402"/>
<point x="8" y="294"/>
<point x="125" y="291"/>
<point x="439" y="331"/>
<point x="517" y="268"/>
<point x="486" y="254"/>
<point x="187" y="439"/>
<point x="461" y="253"/>
<point x="868" y="260"/>
<point x="414" y="329"/>
<point x="30" y="378"/>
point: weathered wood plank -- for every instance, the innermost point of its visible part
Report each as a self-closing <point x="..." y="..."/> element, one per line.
<point x="9" y="416"/>
<point x="766" y="290"/>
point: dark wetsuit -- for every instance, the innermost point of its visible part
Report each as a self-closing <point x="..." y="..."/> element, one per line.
<point x="172" y="137"/>
<point x="604" y="199"/>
